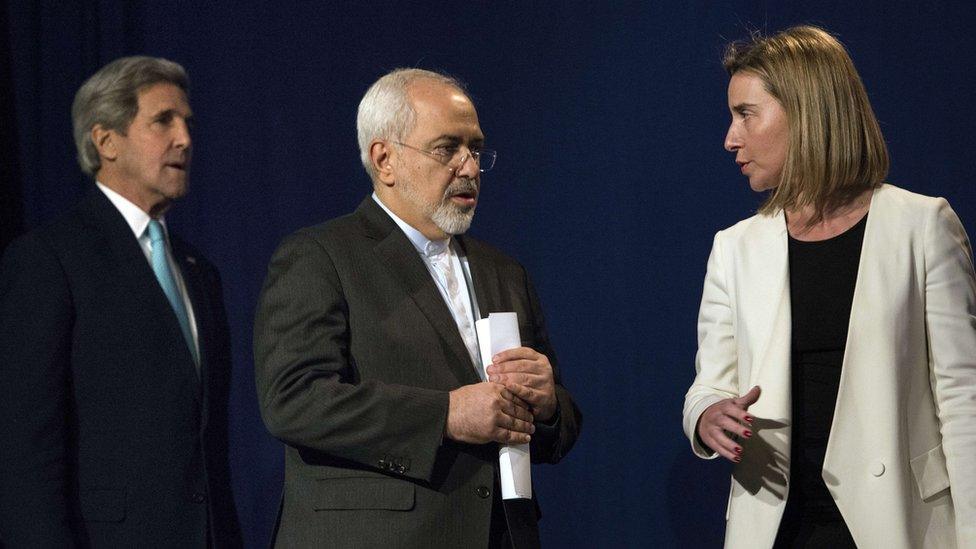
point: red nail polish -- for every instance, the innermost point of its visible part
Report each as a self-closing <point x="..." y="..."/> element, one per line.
<point x="738" y="450"/>
<point x="737" y="459"/>
<point x="747" y="433"/>
<point x="748" y="419"/>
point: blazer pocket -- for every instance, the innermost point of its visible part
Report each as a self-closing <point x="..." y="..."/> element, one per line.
<point x="102" y="504"/>
<point x="363" y="493"/>
<point x="931" y="475"/>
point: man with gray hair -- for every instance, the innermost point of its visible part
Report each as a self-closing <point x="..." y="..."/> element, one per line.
<point x="366" y="356"/>
<point x="115" y="346"/>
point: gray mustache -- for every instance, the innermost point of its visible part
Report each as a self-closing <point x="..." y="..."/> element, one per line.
<point x="462" y="186"/>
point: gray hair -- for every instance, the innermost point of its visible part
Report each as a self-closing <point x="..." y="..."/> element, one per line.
<point x="110" y="98"/>
<point x="385" y="111"/>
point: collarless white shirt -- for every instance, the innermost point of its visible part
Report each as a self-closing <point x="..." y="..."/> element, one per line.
<point x="138" y="221"/>
<point x="427" y="248"/>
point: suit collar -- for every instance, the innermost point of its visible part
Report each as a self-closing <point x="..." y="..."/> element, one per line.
<point x="404" y="262"/>
<point x="137" y="219"/>
<point x="423" y="244"/>
<point x="376" y="224"/>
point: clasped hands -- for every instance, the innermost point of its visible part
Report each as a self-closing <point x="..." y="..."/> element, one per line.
<point x="727" y="418"/>
<point x="520" y="390"/>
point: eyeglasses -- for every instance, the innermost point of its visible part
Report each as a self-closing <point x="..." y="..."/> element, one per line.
<point x="452" y="157"/>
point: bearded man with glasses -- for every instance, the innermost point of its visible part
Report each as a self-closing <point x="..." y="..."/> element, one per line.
<point x="366" y="355"/>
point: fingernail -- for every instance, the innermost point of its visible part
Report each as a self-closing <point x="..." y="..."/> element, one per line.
<point x="531" y="429"/>
<point x="493" y="378"/>
<point x="737" y="459"/>
<point x="749" y="419"/>
<point x="747" y="433"/>
<point x="494" y="359"/>
<point x="738" y="450"/>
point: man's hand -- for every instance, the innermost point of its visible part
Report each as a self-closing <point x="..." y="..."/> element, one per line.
<point x="528" y="375"/>
<point x="725" y="417"/>
<point x="488" y="412"/>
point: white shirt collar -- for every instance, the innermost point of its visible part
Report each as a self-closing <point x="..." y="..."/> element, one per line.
<point x="424" y="245"/>
<point x="137" y="219"/>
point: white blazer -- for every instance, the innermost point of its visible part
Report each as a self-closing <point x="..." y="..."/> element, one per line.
<point x="901" y="458"/>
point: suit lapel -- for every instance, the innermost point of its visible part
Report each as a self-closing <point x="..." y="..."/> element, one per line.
<point x="763" y="269"/>
<point x="195" y="290"/>
<point x="150" y="307"/>
<point x="405" y="264"/>
<point x="484" y="277"/>
<point x="858" y="374"/>
<point x="762" y="272"/>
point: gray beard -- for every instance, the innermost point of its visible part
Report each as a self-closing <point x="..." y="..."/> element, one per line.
<point x="451" y="218"/>
<point x="448" y="216"/>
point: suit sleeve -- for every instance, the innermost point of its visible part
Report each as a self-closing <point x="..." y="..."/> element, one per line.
<point x="950" y="320"/>
<point x="551" y="441"/>
<point x="35" y="333"/>
<point x="308" y="389"/>
<point x="716" y="361"/>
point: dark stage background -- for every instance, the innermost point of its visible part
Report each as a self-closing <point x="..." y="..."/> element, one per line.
<point x="611" y="180"/>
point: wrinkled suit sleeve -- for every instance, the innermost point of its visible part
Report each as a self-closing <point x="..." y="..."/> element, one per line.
<point x="950" y="320"/>
<point x="305" y="378"/>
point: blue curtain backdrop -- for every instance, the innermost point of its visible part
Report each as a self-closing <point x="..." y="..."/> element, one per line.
<point x="11" y="204"/>
<point x="611" y="180"/>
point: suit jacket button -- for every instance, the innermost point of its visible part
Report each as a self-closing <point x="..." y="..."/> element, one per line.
<point x="482" y="491"/>
<point x="197" y="497"/>
<point x="877" y="468"/>
<point x="382" y="464"/>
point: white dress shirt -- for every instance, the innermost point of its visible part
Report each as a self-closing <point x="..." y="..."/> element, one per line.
<point x="426" y="248"/>
<point x="138" y="221"/>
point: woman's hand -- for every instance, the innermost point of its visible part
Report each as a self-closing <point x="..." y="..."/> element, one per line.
<point x="728" y="417"/>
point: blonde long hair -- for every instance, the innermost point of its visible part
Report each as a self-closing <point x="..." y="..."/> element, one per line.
<point x="836" y="150"/>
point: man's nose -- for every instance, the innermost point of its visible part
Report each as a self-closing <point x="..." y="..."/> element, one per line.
<point x="467" y="167"/>
<point x="182" y="139"/>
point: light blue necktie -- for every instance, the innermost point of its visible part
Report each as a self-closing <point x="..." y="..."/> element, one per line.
<point x="166" y="279"/>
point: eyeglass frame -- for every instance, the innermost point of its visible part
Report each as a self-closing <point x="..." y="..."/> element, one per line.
<point x="475" y="156"/>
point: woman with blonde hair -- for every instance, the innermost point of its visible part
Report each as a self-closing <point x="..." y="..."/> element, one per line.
<point x="836" y="364"/>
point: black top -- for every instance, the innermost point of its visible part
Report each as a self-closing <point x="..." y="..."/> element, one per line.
<point x="822" y="279"/>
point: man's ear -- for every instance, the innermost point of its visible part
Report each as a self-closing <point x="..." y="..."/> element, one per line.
<point x="380" y="156"/>
<point x="105" y="142"/>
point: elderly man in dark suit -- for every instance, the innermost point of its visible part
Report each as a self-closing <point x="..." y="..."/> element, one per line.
<point x="114" y="343"/>
<point x="367" y="358"/>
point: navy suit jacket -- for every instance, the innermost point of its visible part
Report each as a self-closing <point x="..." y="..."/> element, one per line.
<point x="110" y="437"/>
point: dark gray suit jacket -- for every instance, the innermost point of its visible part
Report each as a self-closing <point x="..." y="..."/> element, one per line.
<point x="355" y="352"/>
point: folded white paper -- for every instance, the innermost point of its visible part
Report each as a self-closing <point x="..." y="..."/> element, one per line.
<point x="499" y="332"/>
